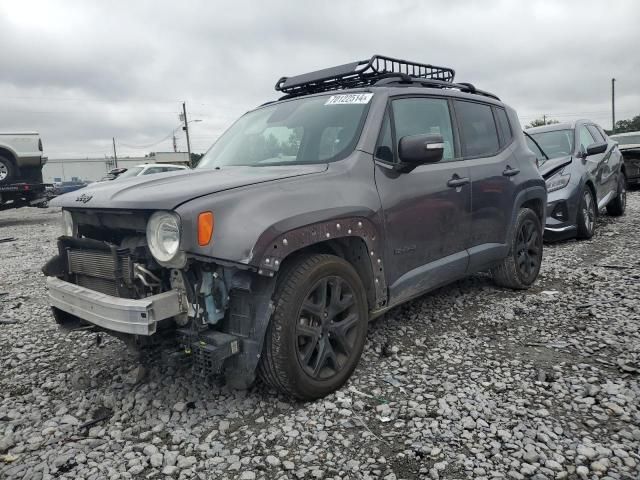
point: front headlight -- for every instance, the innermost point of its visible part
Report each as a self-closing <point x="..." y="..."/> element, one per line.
<point x="163" y="235"/>
<point x="68" y="227"/>
<point x="557" y="181"/>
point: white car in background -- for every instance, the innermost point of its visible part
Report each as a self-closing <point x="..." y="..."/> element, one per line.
<point x="150" y="169"/>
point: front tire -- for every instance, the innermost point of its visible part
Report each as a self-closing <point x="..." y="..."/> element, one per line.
<point x="521" y="267"/>
<point x="587" y="214"/>
<point x="7" y="170"/>
<point x="317" y="332"/>
<point x="618" y="205"/>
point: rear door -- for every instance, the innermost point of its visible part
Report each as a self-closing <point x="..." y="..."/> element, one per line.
<point x="594" y="164"/>
<point x="426" y="211"/>
<point x="487" y="147"/>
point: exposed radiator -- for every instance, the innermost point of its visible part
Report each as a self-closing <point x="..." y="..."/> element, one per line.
<point x="101" y="285"/>
<point x="100" y="270"/>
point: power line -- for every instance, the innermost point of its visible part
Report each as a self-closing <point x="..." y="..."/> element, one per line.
<point x="148" y="145"/>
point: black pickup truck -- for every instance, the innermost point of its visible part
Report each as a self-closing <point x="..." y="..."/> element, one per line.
<point x="16" y="195"/>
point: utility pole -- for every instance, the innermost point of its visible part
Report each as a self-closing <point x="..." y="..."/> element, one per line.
<point x="115" y="156"/>
<point x="544" y="118"/>
<point x="175" y="146"/>
<point x="186" y="129"/>
<point x="613" y="105"/>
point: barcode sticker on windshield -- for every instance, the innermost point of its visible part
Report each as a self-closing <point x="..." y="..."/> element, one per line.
<point x="349" y="99"/>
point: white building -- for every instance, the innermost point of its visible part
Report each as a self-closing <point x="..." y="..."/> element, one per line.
<point x="93" y="169"/>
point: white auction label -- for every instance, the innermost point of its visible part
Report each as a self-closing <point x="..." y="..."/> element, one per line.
<point x="349" y="99"/>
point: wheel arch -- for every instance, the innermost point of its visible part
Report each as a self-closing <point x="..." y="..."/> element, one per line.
<point x="356" y="240"/>
<point x="9" y="155"/>
<point x="535" y="198"/>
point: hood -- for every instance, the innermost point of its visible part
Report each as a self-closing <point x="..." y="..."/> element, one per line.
<point x="554" y="164"/>
<point x="166" y="191"/>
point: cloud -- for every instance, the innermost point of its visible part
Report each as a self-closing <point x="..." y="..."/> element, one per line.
<point x="83" y="72"/>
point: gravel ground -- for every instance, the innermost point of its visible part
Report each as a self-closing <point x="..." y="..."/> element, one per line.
<point x="470" y="381"/>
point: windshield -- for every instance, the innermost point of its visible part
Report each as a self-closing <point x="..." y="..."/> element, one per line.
<point x="132" y="172"/>
<point x="626" y="139"/>
<point x="556" y="143"/>
<point x="302" y="131"/>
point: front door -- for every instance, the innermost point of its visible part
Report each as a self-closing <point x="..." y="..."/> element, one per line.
<point x="426" y="211"/>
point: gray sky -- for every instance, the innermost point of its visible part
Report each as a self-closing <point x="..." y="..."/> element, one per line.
<point x="81" y="72"/>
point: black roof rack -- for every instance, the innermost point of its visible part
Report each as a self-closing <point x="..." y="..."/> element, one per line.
<point x="377" y="71"/>
<point x="361" y="74"/>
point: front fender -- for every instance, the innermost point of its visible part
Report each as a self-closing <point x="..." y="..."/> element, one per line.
<point x="248" y="220"/>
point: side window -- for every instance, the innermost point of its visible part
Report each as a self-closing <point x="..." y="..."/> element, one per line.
<point x="384" y="150"/>
<point x="479" y="133"/>
<point x="595" y="133"/>
<point x="585" y="138"/>
<point x="414" y="116"/>
<point x="503" y="126"/>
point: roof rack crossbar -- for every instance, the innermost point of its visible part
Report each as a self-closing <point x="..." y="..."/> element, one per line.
<point x="462" y="86"/>
<point x="361" y="74"/>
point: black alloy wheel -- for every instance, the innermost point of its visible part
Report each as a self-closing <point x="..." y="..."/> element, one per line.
<point x="520" y="268"/>
<point x="326" y="330"/>
<point x="529" y="250"/>
<point x="588" y="211"/>
<point x="318" y="329"/>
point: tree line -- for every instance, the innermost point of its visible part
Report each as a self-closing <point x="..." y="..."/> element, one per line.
<point x="622" y="126"/>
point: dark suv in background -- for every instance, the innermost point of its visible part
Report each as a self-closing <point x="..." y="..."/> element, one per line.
<point x="364" y="186"/>
<point x="584" y="172"/>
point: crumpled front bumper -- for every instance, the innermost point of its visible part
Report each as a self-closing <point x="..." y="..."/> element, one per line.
<point x="124" y="315"/>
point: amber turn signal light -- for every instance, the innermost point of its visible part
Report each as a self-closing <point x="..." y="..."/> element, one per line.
<point x="205" y="228"/>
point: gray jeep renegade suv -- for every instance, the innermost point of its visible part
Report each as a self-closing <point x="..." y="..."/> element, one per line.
<point x="364" y="186"/>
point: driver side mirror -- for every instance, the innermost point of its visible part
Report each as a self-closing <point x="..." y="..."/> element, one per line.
<point x="596" y="148"/>
<point x="415" y="150"/>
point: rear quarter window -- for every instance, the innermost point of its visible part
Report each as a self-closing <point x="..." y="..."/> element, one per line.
<point x="504" y="128"/>
<point x="478" y="128"/>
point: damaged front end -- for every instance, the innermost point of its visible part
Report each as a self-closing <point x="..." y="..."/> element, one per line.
<point x="107" y="278"/>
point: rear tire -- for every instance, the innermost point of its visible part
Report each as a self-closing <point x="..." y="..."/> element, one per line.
<point x="7" y="170"/>
<point x="618" y="205"/>
<point x="317" y="332"/>
<point x="587" y="215"/>
<point x="521" y="267"/>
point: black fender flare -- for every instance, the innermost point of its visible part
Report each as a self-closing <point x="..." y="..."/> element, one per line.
<point x="536" y="192"/>
<point x="275" y="251"/>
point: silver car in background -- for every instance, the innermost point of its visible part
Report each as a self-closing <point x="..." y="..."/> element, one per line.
<point x="584" y="173"/>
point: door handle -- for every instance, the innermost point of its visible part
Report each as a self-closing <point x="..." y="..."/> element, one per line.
<point x="510" y="172"/>
<point x="457" y="181"/>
